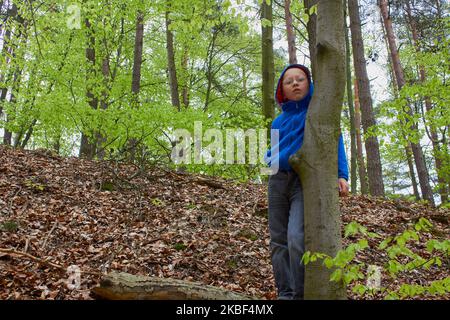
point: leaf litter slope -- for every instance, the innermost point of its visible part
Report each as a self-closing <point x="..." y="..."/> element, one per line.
<point x="56" y="212"/>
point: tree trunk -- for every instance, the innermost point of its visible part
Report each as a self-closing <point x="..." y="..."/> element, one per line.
<point x="11" y="14"/>
<point x="21" y="30"/>
<point x="290" y="32"/>
<point x="7" y="138"/>
<point x="316" y="161"/>
<point x="28" y="133"/>
<point x="244" y="81"/>
<point x="359" y="148"/>
<point x="268" y="68"/>
<point x="209" y="62"/>
<point x="137" y="61"/>
<point x="351" y="109"/>
<point x="433" y="134"/>
<point x="136" y="78"/>
<point x="374" y="170"/>
<point x="173" y="82"/>
<point x="408" y="150"/>
<point x="422" y="171"/>
<point x="311" y="28"/>
<point x="124" y="286"/>
<point x="185" y="64"/>
<point x="87" y="146"/>
<point x="100" y="139"/>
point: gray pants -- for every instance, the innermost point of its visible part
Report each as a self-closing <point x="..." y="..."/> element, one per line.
<point x="286" y="229"/>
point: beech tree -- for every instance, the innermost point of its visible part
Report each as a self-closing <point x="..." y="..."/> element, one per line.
<point x="422" y="170"/>
<point x="290" y="32"/>
<point x="172" y="71"/>
<point x="374" y="170"/>
<point x="316" y="161"/>
<point x="351" y="107"/>
<point x="267" y="65"/>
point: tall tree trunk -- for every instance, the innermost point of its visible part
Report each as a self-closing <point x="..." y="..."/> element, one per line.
<point x="316" y="161"/>
<point x="7" y="138"/>
<point x="408" y="150"/>
<point x="209" y="63"/>
<point x="422" y="171"/>
<point x="268" y="68"/>
<point x="87" y="146"/>
<point x="412" y="175"/>
<point x="245" y="76"/>
<point x="15" y="63"/>
<point x="433" y="136"/>
<point x="11" y="14"/>
<point x="100" y="138"/>
<point x="185" y="66"/>
<point x="351" y="109"/>
<point x="137" y="61"/>
<point x="311" y="28"/>
<point x="290" y="32"/>
<point x="374" y="170"/>
<point x="136" y="79"/>
<point x="359" y="147"/>
<point x="28" y="133"/>
<point x="173" y="82"/>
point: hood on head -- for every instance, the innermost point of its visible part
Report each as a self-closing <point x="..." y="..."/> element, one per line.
<point x="279" y="97"/>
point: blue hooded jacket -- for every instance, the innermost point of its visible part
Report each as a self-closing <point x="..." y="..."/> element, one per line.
<point x="291" y="126"/>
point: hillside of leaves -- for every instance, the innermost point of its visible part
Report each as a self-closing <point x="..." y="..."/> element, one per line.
<point x="56" y="212"/>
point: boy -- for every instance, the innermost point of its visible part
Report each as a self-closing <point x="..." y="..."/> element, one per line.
<point x="293" y="94"/>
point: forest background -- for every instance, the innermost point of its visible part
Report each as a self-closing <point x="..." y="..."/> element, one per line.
<point x="112" y="80"/>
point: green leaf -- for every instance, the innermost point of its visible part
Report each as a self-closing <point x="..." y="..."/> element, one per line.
<point x="363" y="243"/>
<point x="394" y="267"/>
<point x="359" y="289"/>
<point x="265" y="23"/>
<point x="423" y="224"/>
<point x="336" y="276"/>
<point x="329" y="263"/>
<point x="392" y="296"/>
<point x="351" y="229"/>
<point x="383" y="245"/>
<point x="306" y="257"/>
<point x="313" y="10"/>
<point x="373" y="235"/>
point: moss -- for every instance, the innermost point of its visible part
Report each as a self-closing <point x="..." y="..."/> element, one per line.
<point x="179" y="246"/>
<point x="9" y="226"/>
<point x="108" y="186"/>
<point x="248" y="234"/>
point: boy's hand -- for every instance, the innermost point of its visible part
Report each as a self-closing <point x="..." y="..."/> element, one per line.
<point x="343" y="187"/>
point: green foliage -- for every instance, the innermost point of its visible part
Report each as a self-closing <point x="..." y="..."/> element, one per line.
<point x="210" y="38"/>
<point x="9" y="226"/>
<point x="107" y="186"/>
<point x="423" y="102"/>
<point x="249" y="234"/>
<point x="34" y="185"/>
<point x="157" y="202"/>
<point x="179" y="246"/>
<point x="401" y="260"/>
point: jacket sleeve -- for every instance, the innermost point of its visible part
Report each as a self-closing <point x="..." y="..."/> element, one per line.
<point x="342" y="160"/>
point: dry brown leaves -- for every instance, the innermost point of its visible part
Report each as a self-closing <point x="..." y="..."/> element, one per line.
<point x="65" y="212"/>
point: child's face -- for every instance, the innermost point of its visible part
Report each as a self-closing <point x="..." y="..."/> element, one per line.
<point x="295" y="84"/>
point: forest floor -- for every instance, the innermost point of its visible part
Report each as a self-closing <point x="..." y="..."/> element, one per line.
<point x="56" y="212"/>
